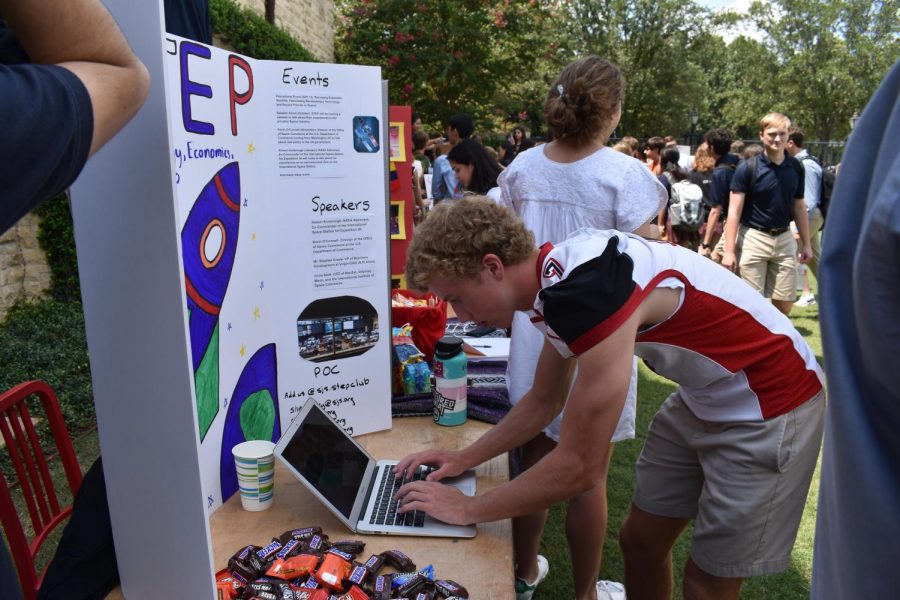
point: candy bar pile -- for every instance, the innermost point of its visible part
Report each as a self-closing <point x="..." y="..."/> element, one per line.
<point x="302" y="564"/>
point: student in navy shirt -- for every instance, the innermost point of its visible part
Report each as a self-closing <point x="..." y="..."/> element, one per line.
<point x="766" y="194"/>
<point x="719" y="143"/>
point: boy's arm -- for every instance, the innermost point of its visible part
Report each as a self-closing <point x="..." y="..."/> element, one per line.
<point x="801" y="219"/>
<point x="575" y="465"/>
<point x="537" y="408"/>
<point x="704" y="248"/>
<point x="732" y="223"/>
<point x="647" y="230"/>
<point x="526" y="419"/>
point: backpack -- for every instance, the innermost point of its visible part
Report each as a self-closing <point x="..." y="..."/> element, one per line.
<point x="686" y="210"/>
<point x="703" y="180"/>
<point x="826" y="185"/>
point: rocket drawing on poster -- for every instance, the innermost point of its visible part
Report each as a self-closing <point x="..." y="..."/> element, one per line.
<point x="208" y="246"/>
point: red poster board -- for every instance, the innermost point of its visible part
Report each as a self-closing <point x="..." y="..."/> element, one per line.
<point x="401" y="192"/>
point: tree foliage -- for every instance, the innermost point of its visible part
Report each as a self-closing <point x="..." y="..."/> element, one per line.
<point x="57" y="239"/>
<point x="251" y="34"/>
<point x="648" y="40"/>
<point x="818" y="61"/>
<point x="445" y="57"/>
<point x="744" y="87"/>
<point x="831" y="56"/>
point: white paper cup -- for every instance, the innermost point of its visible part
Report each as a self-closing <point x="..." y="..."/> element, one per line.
<point x="255" y="464"/>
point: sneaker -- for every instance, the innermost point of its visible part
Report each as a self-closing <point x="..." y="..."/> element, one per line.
<point x="610" y="590"/>
<point x="805" y="300"/>
<point x="525" y="590"/>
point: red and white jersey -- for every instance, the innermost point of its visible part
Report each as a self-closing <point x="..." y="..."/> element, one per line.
<point x="736" y="357"/>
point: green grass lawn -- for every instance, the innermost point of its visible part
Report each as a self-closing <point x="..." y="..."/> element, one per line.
<point x="792" y="584"/>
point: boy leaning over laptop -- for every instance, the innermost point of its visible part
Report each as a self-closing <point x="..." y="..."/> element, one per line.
<point x="733" y="448"/>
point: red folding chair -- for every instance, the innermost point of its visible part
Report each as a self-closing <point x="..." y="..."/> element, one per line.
<point x="24" y="447"/>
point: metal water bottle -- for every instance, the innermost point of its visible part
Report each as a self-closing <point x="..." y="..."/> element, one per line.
<point x="450" y="381"/>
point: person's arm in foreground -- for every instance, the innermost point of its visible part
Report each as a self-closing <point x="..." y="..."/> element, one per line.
<point x="575" y="465"/>
<point x="525" y="420"/>
<point x="81" y="36"/>
<point x="801" y="219"/>
<point x="732" y="223"/>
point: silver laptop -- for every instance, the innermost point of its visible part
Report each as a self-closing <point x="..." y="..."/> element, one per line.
<point x="358" y="489"/>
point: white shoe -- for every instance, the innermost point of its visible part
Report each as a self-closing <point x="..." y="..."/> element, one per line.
<point x="525" y="590"/>
<point x="610" y="590"/>
<point x="805" y="300"/>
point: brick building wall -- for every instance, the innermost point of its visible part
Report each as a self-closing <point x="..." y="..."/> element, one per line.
<point x="311" y="22"/>
<point x="24" y="273"/>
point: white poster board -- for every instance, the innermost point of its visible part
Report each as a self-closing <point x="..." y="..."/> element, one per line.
<point x="280" y="190"/>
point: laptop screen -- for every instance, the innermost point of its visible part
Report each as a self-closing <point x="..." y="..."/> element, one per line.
<point x="326" y="457"/>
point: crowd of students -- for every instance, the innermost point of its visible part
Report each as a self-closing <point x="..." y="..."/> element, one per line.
<point x="611" y="199"/>
<point x="569" y="243"/>
<point x="463" y="165"/>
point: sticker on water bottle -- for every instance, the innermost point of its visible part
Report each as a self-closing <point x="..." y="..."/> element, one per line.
<point x="450" y="402"/>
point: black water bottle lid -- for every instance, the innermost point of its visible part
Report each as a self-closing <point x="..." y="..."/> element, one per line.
<point x="448" y="347"/>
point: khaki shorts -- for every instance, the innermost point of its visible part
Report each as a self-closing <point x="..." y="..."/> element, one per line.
<point x="744" y="483"/>
<point x="769" y="263"/>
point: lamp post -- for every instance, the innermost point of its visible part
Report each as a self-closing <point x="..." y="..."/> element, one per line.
<point x="694" y="117"/>
<point x="853" y="121"/>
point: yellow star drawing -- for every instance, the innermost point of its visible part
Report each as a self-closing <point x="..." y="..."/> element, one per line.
<point x="253" y="237"/>
<point x="243" y="350"/>
<point x="256" y="313"/>
<point x="251" y="148"/>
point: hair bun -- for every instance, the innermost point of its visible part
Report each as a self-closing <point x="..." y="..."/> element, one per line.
<point x="590" y="91"/>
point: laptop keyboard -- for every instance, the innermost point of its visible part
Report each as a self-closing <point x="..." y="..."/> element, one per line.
<point x="385" y="511"/>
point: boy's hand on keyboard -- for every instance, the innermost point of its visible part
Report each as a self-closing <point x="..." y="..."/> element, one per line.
<point x="442" y="502"/>
<point x="446" y="463"/>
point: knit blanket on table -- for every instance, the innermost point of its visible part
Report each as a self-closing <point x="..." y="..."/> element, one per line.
<point x="487" y="398"/>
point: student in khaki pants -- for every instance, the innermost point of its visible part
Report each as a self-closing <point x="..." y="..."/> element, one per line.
<point x="773" y="185"/>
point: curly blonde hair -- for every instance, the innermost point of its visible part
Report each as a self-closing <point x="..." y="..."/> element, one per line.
<point x="703" y="160"/>
<point x="457" y="234"/>
<point x="583" y="100"/>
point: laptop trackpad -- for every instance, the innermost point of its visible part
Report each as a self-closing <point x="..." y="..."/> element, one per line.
<point x="464" y="483"/>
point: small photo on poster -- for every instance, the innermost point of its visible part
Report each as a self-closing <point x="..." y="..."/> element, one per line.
<point x="398" y="282"/>
<point x="397" y="135"/>
<point x="397" y="223"/>
<point x="335" y="328"/>
<point x="365" y="134"/>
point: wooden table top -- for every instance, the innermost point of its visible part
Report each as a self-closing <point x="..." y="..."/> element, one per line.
<point x="483" y="564"/>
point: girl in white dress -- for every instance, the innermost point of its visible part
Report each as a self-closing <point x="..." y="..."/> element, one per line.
<point x="572" y="182"/>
